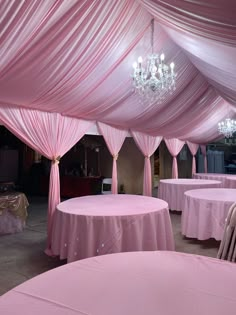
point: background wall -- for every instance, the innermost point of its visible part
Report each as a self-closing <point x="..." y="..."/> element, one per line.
<point x="184" y="165"/>
<point x="129" y="165"/>
<point x="130" y="162"/>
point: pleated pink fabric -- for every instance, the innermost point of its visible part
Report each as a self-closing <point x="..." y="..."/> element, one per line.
<point x="148" y="145"/>
<point x="193" y="147"/>
<point x="203" y="150"/>
<point x="174" y="146"/>
<point x="75" y="58"/>
<point x="206" y="33"/>
<point x="114" y="139"/>
<point x="50" y="134"/>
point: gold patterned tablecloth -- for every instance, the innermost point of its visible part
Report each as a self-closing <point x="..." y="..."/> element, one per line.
<point x="14" y="202"/>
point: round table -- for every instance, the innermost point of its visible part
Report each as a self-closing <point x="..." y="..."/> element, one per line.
<point x="205" y="211"/>
<point x="97" y="225"/>
<point x="135" y="283"/>
<point x="213" y="176"/>
<point x="231" y="181"/>
<point x="172" y="190"/>
<point x="13" y="212"/>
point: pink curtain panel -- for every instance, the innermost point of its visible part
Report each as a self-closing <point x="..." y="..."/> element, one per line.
<point x="148" y="145"/>
<point x="114" y="139"/>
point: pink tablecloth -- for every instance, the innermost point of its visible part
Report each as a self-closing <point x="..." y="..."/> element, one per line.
<point x="138" y="283"/>
<point x="172" y="190"/>
<point x="213" y="176"/>
<point x="97" y="225"/>
<point x="205" y="211"/>
<point x="231" y="181"/>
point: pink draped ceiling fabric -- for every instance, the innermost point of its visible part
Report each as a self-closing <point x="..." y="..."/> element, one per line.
<point x="203" y="150"/>
<point x="75" y="58"/>
<point x="174" y="146"/>
<point x="114" y="139"/>
<point x="193" y="147"/>
<point x="50" y="134"/>
<point x="148" y="145"/>
<point x="207" y="33"/>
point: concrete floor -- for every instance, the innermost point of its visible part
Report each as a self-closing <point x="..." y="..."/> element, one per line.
<point x="22" y="255"/>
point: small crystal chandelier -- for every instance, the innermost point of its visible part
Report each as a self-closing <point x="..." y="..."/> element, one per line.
<point x="157" y="78"/>
<point x="227" y="127"/>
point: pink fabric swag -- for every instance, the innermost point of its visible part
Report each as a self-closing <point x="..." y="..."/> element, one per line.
<point x="50" y="134"/>
<point x="174" y="146"/>
<point x="114" y="139"/>
<point x="148" y="145"/>
<point x="72" y="57"/>
<point x="193" y="147"/>
<point x="203" y="150"/>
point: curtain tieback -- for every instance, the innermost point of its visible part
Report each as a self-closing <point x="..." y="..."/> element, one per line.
<point x="147" y="156"/>
<point x="115" y="156"/>
<point x="56" y="160"/>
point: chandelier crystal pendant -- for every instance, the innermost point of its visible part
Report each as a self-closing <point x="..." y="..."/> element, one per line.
<point x="155" y="79"/>
<point x="227" y="127"/>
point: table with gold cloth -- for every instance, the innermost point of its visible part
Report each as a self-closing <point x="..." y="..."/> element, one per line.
<point x="13" y="212"/>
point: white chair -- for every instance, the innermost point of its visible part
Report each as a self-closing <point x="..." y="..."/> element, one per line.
<point x="106" y="186"/>
<point x="227" y="249"/>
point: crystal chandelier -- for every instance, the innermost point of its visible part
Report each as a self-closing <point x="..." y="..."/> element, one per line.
<point x="156" y="78"/>
<point x="227" y="127"/>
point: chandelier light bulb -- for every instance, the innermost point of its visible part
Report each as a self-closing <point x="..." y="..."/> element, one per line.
<point x="135" y="65"/>
<point x="140" y="59"/>
<point x="172" y="65"/>
<point x="162" y="57"/>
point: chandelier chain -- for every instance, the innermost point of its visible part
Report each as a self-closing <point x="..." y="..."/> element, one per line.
<point x="152" y="35"/>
